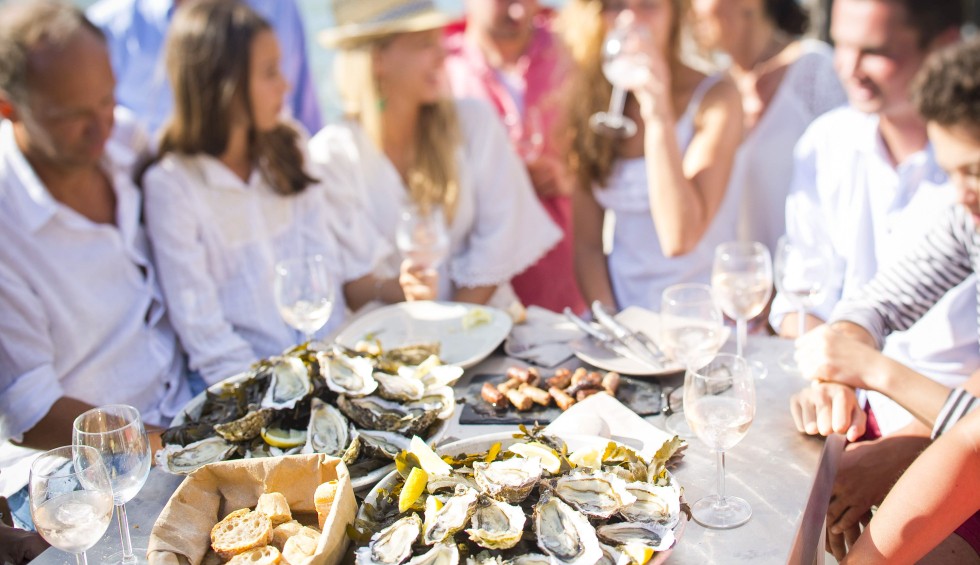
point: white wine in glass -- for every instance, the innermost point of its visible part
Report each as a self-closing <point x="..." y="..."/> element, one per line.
<point x="422" y="236"/>
<point x="71" y="498"/>
<point x="802" y="276"/>
<point x="719" y="403"/>
<point x="116" y="431"/>
<point x="741" y="277"/>
<point x="625" y="68"/>
<point x="304" y="293"/>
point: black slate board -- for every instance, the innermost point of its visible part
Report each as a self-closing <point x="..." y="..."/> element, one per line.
<point x="641" y="396"/>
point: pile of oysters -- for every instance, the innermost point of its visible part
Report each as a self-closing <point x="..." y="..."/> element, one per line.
<point x="361" y="405"/>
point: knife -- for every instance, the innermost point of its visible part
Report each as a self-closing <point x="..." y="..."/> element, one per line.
<point x="606" y="340"/>
<point x="630" y="339"/>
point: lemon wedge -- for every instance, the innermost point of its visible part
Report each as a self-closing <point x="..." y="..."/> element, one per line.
<point x="639" y="553"/>
<point x="414" y="485"/>
<point x="278" y="437"/>
<point x="432" y="463"/>
<point x="549" y="459"/>
<point x="432" y="505"/>
<point x="587" y="457"/>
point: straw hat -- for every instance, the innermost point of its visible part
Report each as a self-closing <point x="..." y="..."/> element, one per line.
<point x="360" y="20"/>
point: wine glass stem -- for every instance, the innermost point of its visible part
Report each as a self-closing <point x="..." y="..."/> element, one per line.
<point x="741" y="332"/>
<point x="721" y="477"/>
<point x="617" y="102"/>
<point x="801" y="321"/>
<point x="127" y="543"/>
<point x="81" y="558"/>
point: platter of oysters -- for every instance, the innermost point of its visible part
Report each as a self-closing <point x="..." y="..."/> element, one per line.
<point x="361" y="405"/>
<point x="524" y="498"/>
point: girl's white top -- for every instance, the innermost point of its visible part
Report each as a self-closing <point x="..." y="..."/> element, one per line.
<point x="499" y="228"/>
<point x="217" y="239"/>
<point x="638" y="269"/>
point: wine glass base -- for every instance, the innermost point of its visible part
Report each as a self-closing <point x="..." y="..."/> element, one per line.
<point x="611" y="125"/>
<point x="788" y="363"/>
<point x="721" y="514"/>
<point x="139" y="557"/>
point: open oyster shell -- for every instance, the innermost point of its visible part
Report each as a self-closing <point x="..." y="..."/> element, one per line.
<point x="496" y="525"/>
<point x="440" y="554"/>
<point x="383" y="445"/>
<point x="289" y="384"/>
<point x="653" y="503"/>
<point x="451" y="518"/>
<point x="595" y="494"/>
<point x="183" y="460"/>
<point x="375" y="413"/>
<point x="564" y="533"/>
<point x="398" y="387"/>
<point x="509" y="480"/>
<point x="245" y="428"/>
<point x="655" y="536"/>
<point x="328" y="432"/>
<point x="351" y="376"/>
<point x="391" y="545"/>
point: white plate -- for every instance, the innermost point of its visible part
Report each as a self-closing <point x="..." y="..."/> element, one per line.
<point x="639" y="320"/>
<point x="409" y="323"/>
<point x="482" y="443"/>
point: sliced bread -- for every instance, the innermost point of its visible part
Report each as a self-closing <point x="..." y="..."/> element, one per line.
<point x="240" y="531"/>
<point x="265" y="555"/>
<point x="274" y="505"/>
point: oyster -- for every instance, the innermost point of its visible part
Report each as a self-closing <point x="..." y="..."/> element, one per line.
<point x="451" y="518"/>
<point x="245" y="428"/>
<point x="653" y="504"/>
<point x="353" y="450"/>
<point x="410" y="354"/>
<point x="484" y="558"/>
<point x="529" y="559"/>
<point x="398" y="387"/>
<point x="496" y="525"/>
<point x="329" y="431"/>
<point x="564" y="533"/>
<point x="441" y="399"/>
<point x="510" y="480"/>
<point x="351" y="376"/>
<point x="375" y="413"/>
<point x="391" y="545"/>
<point x="183" y="460"/>
<point x="289" y="384"/>
<point x="382" y="445"/>
<point x="612" y="556"/>
<point x="437" y="483"/>
<point x="432" y="373"/>
<point x="440" y="554"/>
<point x="595" y="494"/>
<point x="655" y="536"/>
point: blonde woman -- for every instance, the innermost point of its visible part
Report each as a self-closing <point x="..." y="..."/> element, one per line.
<point x="230" y="194"/>
<point x="404" y="142"/>
<point x="667" y="185"/>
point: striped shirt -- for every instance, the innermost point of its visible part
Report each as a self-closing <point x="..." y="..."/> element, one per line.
<point x="957" y="406"/>
<point x="902" y="293"/>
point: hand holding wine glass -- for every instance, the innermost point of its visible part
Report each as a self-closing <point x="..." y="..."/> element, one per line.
<point x="117" y="433"/>
<point x="802" y="276"/>
<point x="625" y="66"/>
<point x="71" y="498"/>
<point x="719" y="403"/>
<point x="421" y="235"/>
<point x="742" y="280"/>
<point x="304" y="293"/>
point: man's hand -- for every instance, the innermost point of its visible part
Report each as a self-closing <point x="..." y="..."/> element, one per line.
<point x="19" y="546"/>
<point x="827" y="354"/>
<point x="867" y="472"/>
<point x="418" y="282"/>
<point x="828" y="408"/>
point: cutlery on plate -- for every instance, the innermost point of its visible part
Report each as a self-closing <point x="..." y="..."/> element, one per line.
<point x="637" y="342"/>
<point x="606" y="340"/>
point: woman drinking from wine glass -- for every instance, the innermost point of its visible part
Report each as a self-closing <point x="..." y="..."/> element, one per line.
<point x="230" y="195"/>
<point x="409" y="155"/>
<point x="664" y="173"/>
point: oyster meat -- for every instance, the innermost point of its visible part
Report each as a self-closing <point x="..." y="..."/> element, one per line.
<point x="328" y="432"/>
<point x="441" y="399"/>
<point x="398" y="387"/>
<point x="289" y="384"/>
<point x="245" y="428"/>
<point x="595" y="494"/>
<point x="612" y="556"/>
<point x="452" y="517"/>
<point x="529" y="559"/>
<point x="182" y="460"/>
<point x="391" y="545"/>
<point x="375" y="413"/>
<point x="351" y="376"/>
<point x="496" y="525"/>
<point x="655" y="536"/>
<point x="440" y="554"/>
<point x="510" y="480"/>
<point x="383" y="445"/>
<point x="564" y="533"/>
<point x="653" y="504"/>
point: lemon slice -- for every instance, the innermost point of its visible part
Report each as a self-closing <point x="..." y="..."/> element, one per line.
<point x="278" y="437"/>
<point x="549" y="459"/>
<point x="587" y="457"/>
<point x="432" y="505"/>
<point x="432" y="463"/>
<point x="639" y="553"/>
<point x="414" y="485"/>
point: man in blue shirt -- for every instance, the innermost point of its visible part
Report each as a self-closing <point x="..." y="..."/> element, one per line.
<point x="136" y="31"/>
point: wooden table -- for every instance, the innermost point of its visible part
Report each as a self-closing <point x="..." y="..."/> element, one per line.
<point x="785" y="476"/>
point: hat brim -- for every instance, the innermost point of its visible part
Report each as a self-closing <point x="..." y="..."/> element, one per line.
<point x="352" y="34"/>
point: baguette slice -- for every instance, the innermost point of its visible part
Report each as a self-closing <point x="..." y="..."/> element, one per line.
<point x="240" y="531"/>
<point x="274" y="505"/>
<point x="323" y="500"/>
<point x="265" y="555"/>
<point x="298" y="549"/>
<point x="284" y="531"/>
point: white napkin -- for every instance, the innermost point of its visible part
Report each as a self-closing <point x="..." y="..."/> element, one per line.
<point x="543" y="339"/>
<point x="604" y="416"/>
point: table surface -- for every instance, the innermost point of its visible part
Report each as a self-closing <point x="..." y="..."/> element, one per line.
<point x="785" y="476"/>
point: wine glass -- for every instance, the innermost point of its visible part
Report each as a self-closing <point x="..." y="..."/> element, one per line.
<point x="421" y="235"/>
<point x="116" y="432"/>
<point x="719" y="402"/>
<point x="742" y="280"/>
<point x="626" y="68"/>
<point x="71" y="498"/>
<point x="304" y="293"/>
<point x="690" y="334"/>
<point x="802" y="274"/>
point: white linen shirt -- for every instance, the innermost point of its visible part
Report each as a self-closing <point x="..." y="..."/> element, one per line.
<point x="500" y="227"/>
<point x="847" y="193"/>
<point x="216" y="240"/>
<point x="81" y="314"/>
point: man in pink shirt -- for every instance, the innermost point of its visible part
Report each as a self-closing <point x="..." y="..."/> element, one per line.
<point x="506" y="54"/>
